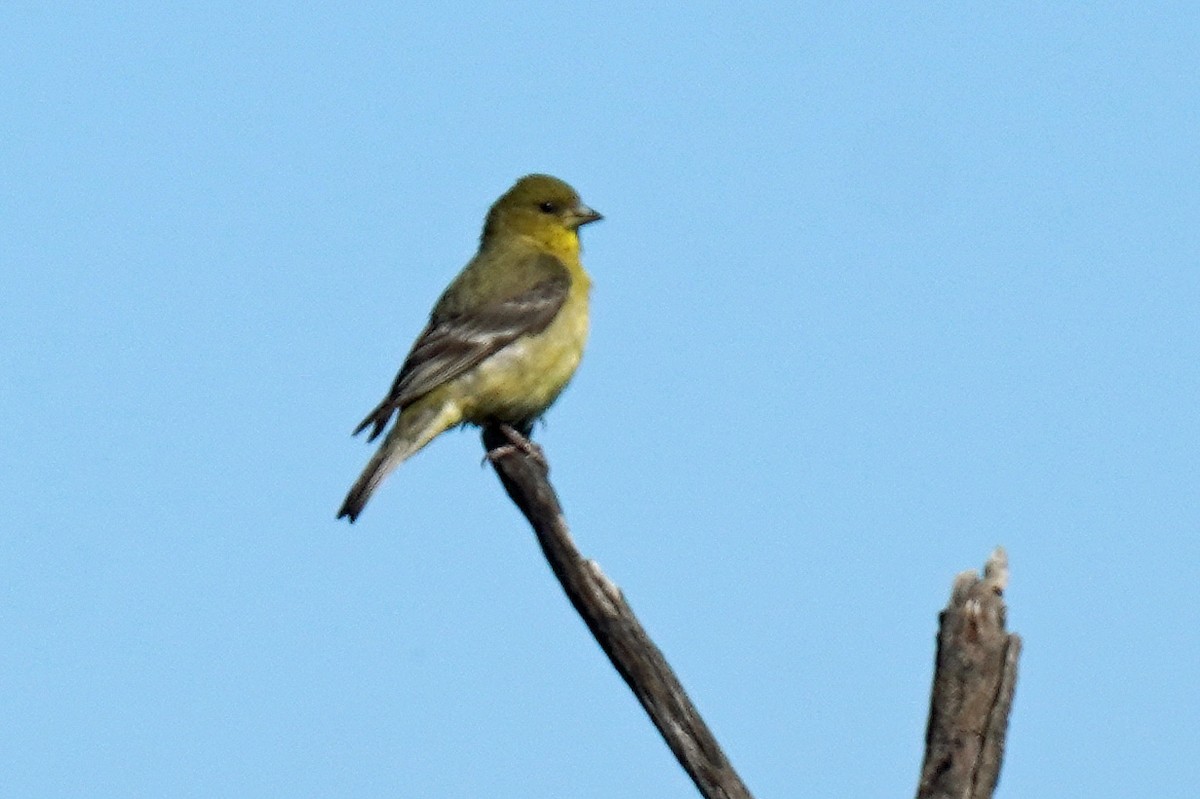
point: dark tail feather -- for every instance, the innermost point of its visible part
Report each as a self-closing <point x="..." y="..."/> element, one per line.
<point x="366" y="484"/>
<point x="415" y="428"/>
<point x="356" y="500"/>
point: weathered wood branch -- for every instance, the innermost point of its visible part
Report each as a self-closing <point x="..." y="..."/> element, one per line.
<point x="616" y="629"/>
<point x="973" y="685"/>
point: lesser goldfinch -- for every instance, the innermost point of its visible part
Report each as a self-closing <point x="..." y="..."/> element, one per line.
<point x="504" y="338"/>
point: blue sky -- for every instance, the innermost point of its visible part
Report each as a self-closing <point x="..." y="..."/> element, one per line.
<point x="878" y="288"/>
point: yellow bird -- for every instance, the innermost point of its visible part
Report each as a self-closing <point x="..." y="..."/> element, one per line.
<point x="503" y="340"/>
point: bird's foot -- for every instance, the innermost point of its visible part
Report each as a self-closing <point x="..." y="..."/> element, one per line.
<point x="516" y="443"/>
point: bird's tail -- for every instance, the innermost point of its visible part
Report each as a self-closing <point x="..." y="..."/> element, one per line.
<point x="415" y="427"/>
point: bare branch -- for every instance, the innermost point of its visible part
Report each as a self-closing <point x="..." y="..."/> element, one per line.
<point x="973" y="687"/>
<point x="606" y="613"/>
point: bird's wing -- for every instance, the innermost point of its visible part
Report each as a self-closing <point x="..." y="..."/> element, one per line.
<point x="452" y="343"/>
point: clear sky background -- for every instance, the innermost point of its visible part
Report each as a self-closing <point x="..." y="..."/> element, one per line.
<point x="878" y="288"/>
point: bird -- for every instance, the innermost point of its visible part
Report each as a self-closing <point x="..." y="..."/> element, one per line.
<point x="502" y="341"/>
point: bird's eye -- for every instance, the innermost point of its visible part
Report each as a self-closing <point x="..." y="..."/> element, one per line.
<point x="548" y="207"/>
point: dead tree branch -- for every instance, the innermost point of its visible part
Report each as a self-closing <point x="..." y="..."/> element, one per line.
<point x="616" y="629"/>
<point x="973" y="686"/>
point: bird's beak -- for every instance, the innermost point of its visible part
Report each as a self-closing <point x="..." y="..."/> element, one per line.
<point x="583" y="215"/>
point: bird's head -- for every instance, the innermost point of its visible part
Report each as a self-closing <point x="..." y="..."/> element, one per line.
<point x="539" y="206"/>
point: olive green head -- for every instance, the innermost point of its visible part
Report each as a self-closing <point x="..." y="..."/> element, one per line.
<point x="537" y="205"/>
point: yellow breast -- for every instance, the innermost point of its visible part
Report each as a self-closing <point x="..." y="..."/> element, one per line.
<point x="519" y="382"/>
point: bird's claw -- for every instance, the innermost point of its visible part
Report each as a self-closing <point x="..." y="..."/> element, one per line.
<point x="517" y="443"/>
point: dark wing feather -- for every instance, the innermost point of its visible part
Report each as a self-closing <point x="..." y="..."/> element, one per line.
<point x="455" y="342"/>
